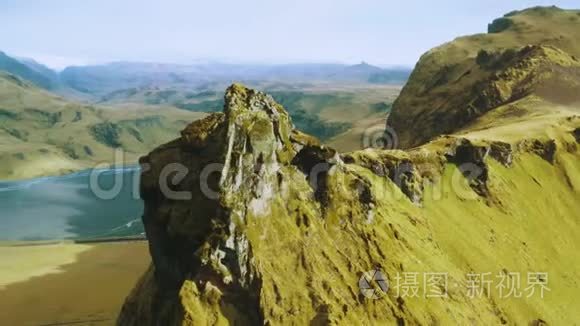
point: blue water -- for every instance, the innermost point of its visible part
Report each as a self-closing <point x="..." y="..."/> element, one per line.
<point x="71" y="206"/>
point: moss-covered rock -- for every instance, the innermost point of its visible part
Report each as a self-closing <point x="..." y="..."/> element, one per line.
<point x="279" y="230"/>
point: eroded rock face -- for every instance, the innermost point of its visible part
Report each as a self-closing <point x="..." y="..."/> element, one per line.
<point x="199" y="192"/>
<point x="576" y="134"/>
<point x="471" y="161"/>
<point x="544" y="149"/>
<point x="398" y="166"/>
<point x="501" y="152"/>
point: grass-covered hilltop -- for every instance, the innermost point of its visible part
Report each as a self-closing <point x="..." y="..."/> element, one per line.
<point x="528" y="64"/>
<point x="281" y="229"/>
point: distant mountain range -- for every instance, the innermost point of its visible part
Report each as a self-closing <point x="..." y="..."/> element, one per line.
<point x="100" y="80"/>
<point x="137" y="106"/>
<point x="30" y="70"/>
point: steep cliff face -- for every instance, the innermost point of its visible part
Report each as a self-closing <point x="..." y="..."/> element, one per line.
<point x="251" y="222"/>
<point x="530" y="52"/>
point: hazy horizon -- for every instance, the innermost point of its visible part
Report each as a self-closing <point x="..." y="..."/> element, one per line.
<point x="202" y="61"/>
<point x="64" y="33"/>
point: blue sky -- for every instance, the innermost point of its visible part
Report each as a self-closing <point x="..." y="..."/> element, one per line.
<point x="69" y="32"/>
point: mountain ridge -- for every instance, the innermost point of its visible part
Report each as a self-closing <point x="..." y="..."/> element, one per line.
<point x="35" y="73"/>
<point x="95" y="81"/>
<point x="454" y="83"/>
<point x="288" y="231"/>
<point x="283" y="229"/>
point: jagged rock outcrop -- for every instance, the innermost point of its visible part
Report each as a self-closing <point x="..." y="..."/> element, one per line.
<point x="251" y="222"/>
<point x="576" y="134"/>
<point x="233" y="167"/>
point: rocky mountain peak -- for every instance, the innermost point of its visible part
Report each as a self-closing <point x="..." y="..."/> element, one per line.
<point x="231" y="168"/>
<point x="252" y="222"/>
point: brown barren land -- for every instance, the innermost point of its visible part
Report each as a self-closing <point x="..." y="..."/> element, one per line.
<point x="88" y="291"/>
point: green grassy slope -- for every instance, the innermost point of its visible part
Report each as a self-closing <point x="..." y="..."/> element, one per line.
<point x="457" y="82"/>
<point x="42" y="134"/>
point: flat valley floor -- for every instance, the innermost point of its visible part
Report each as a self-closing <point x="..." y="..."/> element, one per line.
<point x="68" y="284"/>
